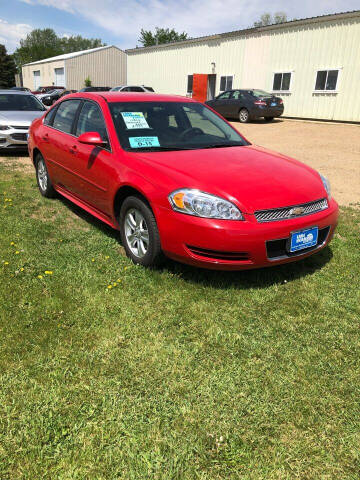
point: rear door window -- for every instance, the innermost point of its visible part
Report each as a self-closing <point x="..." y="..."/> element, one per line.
<point x="65" y="115"/>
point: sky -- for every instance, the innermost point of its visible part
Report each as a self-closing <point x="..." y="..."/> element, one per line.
<point x="118" y="22"/>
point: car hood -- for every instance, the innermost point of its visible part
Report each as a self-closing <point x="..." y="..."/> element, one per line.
<point x="19" y="117"/>
<point x="252" y="177"/>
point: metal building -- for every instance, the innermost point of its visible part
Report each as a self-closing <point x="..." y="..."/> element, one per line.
<point x="313" y="64"/>
<point x="105" y="66"/>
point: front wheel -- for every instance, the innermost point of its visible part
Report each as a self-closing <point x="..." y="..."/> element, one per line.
<point x="43" y="179"/>
<point x="244" y="116"/>
<point x="139" y="233"/>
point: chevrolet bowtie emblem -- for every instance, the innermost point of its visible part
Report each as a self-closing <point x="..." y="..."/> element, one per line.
<point x="297" y="211"/>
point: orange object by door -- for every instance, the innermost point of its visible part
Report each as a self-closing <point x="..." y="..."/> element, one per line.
<point x="200" y="85"/>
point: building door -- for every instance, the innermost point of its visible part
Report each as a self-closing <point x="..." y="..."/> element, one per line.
<point x="37" y="79"/>
<point x="200" y="87"/>
<point x="211" y="86"/>
<point x="59" y="77"/>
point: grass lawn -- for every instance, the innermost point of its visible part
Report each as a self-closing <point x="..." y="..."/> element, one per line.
<point x="177" y="373"/>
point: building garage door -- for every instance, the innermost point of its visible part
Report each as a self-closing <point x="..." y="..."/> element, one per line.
<point x="60" y="77"/>
<point x="37" y="79"/>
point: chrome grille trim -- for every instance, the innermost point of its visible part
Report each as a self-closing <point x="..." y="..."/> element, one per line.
<point x="277" y="214"/>
<point x="20" y="127"/>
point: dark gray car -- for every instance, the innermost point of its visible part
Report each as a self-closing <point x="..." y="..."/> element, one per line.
<point x="247" y="104"/>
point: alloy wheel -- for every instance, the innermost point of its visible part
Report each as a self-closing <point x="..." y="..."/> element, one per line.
<point x="42" y="175"/>
<point x="136" y="232"/>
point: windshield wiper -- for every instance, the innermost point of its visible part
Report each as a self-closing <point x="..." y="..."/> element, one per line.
<point x="222" y="145"/>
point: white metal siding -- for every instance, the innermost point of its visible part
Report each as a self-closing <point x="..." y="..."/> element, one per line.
<point x="253" y="58"/>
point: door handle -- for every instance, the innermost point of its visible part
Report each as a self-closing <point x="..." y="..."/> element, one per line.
<point x="73" y="149"/>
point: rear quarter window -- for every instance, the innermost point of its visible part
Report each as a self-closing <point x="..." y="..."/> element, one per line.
<point x="65" y="115"/>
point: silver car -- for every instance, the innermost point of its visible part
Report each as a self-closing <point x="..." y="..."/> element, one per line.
<point x="132" y="88"/>
<point x="17" y="110"/>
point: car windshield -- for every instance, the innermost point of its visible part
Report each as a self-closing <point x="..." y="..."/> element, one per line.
<point x="157" y="126"/>
<point x="18" y="102"/>
<point x="261" y="93"/>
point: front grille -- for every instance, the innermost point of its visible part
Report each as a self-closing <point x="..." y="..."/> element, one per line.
<point x="19" y="136"/>
<point x="20" y="127"/>
<point x="219" y="255"/>
<point x="278" y="248"/>
<point x="276" y="214"/>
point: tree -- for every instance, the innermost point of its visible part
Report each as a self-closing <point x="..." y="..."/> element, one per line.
<point x="44" y="43"/>
<point x="7" y="69"/>
<point x="161" y="35"/>
<point x="268" y="19"/>
<point x="38" y="44"/>
<point x="77" y="43"/>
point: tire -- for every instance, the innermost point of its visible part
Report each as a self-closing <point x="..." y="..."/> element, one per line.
<point x="244" y="116"/>
<point x="139" y="233"/>
<point x="43" y="178"/>
<point x="269" y="119"/>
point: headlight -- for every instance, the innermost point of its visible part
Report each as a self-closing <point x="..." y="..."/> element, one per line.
<point x="200" y="204"/>
<point x="326" y="184"/>
<point x="4" y="127"/>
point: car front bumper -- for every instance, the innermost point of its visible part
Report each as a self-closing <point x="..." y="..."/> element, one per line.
<point x="13" y="138"/>
<point x="238" y="245"/>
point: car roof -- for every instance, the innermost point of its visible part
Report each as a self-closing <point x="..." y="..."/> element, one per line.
<point x="15" y="92"/>
<point x="131" y="97"/>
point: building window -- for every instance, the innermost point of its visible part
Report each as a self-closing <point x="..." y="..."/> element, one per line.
<point x="326" y="80"/>
<point x="226" y="83"/>
<point x="190" y="81"/>
<point x="282" y="81"/>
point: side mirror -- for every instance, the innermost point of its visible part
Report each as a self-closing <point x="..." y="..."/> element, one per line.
<point x="91" y="138"/>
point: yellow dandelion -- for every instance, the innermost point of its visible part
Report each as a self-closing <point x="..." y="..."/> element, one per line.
<point x="17" y="252"/>
<point x="21" y="269"/>
<point x="114" y="284"/>
<point x="6" y="263"/>
<point x="40" y="276"/>
<point x="12" y="243"/>
<point x="48" y="272"/>
<point x="118" y="280"/>
<point x="93" y="259"/>
<point x="126" y="268"/>
<point x="109" y="286"/>
<point x="107" y="256"/>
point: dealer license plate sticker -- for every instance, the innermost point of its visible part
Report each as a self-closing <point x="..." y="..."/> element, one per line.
<point x="304" y="239"/>
<point x="134" y="120"/>
<point x="143" y="142"/>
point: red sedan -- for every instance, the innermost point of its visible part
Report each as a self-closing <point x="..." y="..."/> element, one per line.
<point x="178" y="180"/>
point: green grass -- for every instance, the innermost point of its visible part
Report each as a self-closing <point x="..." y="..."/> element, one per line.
<point x="176" y="373"/>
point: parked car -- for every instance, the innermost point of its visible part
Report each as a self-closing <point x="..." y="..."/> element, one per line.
<point x="177" y="179"/>
<point x="95" y="89"/>
<point x="247" y="104"/>
<point x="42" y="90"/>
<point x="51" y="92"/>
<point x="17" y="110"/>
<point x="52" y="97"/>
<point x="21" y="89"/>
<point x="132" y="88"/>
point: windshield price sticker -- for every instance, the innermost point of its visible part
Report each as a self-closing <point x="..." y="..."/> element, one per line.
<point x="144" y="142"/>
<point x="134" y="120"/>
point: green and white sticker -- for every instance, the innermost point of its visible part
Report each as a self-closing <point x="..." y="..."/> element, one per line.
<point x="144" y="142"/>
<point x="134" y="120"/>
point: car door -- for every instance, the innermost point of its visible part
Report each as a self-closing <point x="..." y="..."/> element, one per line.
<point x="221" y="103"/>
<point x="56" y="141"/>
<point x="92" y="166"/>
<point x="236" y="103"/>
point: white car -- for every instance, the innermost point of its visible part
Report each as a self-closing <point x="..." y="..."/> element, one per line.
<point x="132" y="88"/>
<point x="17" y="110"/>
